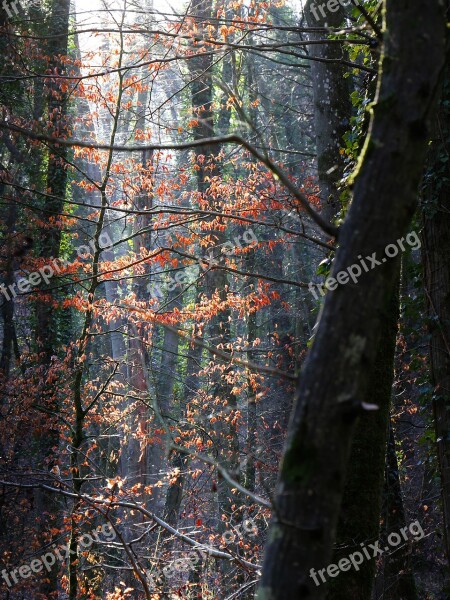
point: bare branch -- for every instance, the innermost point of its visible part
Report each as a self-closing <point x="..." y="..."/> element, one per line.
<point x="226" y="139"/>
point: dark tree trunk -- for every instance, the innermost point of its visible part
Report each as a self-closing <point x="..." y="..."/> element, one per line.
<point x="337" y="372"/>
<point x="56" y="171"/>
<point x="359" y="519"/>
<point x="397" y="578"/>
<point x="436" y="262"/>
<point x="332" y="108"/>
<point x="360" y="514"/>
<point x="7" y="307"/>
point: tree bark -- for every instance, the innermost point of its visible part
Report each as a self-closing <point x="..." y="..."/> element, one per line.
<point x="216" y="280"/>
<point x="332" y="108"/>
<point x="337" y="371"/>
<point x="397" y="579"/>
<point x="359" y="519"/>
<point x="360" y="513"/>
<point x="7" y="307"/>
<point x="56" y="171"/>
<point x="436" y="257"/>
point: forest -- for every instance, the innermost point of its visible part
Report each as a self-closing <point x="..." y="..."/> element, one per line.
<point x="224" y="300"/>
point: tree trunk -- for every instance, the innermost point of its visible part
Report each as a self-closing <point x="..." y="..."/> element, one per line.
<point x="360" y="514"/>
<point x="56" y="171"/>
<point x="332" y="108"/>
<point x="7" y="307"/>
<point x="436" y="263"/>
<point x="47" y="325"/>
<point x="359" y="519"/>
<point x="397" y="579"/>
<point x="337" y="372"/>
<point x="216" y="280"/>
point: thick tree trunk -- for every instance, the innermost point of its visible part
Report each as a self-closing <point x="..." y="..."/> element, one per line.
<point x="56" y="171"/>
<point x="337" y="371"/>
<point x="360" y="514"/>
<point x="359" y="519"/>
<point x="157" y="451"/>
<point x="190" y="388"/>
<point x="47" y="325"/>
<point x="436" y="262"/>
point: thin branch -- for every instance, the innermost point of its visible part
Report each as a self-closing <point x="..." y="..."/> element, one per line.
<point x="133" y="506"/>
<point x="369" y="19"/>
<point x="248" y="364"/>
<point x="213" y="267"/>
<point x="226" y="139"/>
<point x="224" y="473"/>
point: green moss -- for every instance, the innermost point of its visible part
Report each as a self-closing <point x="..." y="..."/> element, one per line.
<point x="299" y="464"/>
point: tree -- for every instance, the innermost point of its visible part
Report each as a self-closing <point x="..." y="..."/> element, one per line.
<point x="436" y="253"/>
<point x="335" y="375"/>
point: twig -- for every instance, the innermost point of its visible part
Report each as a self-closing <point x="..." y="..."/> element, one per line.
<point x="226" y="139"/>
